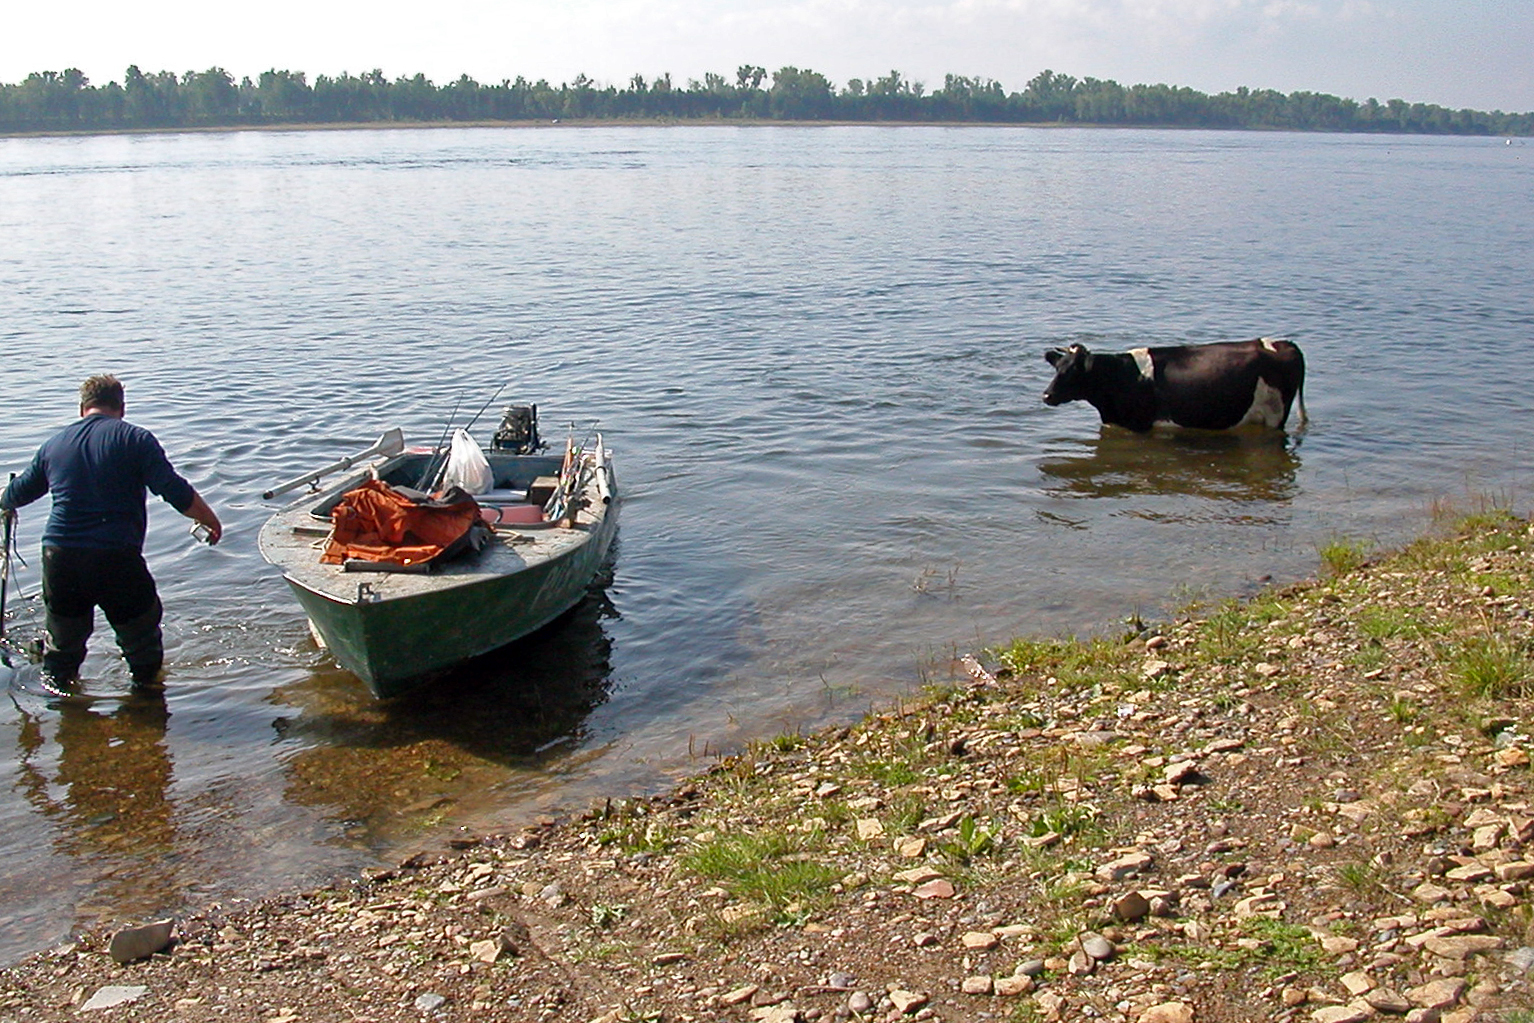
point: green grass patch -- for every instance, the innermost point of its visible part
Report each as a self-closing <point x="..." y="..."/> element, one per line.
<point x="1342" y="555"/>
<point x="1276" y="948"/>
<point x="1380" y="623"/>
<point x="771" y="868"/>
<point x="1071" y="662"/>
<point x="1490" y="667"/>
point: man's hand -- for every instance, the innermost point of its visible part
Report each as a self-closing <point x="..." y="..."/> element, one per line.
<point x="199" y="512"/>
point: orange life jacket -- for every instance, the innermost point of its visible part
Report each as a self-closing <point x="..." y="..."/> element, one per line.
<point x="377" y="523"/>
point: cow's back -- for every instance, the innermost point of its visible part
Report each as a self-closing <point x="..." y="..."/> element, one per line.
<point x="1227" y="384"/>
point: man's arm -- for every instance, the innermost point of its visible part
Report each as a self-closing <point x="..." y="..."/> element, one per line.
<point x="26" y="488"/>
<point x="199" y="511"/>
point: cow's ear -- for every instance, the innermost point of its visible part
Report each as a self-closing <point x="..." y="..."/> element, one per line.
<point x="1053" y="356"/>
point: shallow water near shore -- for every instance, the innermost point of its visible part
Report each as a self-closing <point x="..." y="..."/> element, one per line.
<point x="817" y="353"/>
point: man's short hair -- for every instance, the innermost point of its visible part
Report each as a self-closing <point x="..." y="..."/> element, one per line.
<point x="103" y="391"/>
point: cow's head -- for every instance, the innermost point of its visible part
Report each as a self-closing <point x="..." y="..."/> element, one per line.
<point x="1071" y="368"/>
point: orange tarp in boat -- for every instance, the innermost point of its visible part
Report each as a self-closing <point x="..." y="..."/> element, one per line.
<point x="379" y="524"/>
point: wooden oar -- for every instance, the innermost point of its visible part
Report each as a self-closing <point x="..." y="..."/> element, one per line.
<point x="391" y="443"/>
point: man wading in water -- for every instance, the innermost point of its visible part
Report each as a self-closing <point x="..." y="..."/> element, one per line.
<point x="98" y="470"/>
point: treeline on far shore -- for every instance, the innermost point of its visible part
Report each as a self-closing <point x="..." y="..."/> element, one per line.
<point x="50" y="101"/>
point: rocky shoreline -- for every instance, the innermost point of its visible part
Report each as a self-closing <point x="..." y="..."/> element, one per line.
<point x="1310" y="806"/>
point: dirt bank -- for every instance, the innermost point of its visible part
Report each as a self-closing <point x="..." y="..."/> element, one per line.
<point x="1310" y="806"/>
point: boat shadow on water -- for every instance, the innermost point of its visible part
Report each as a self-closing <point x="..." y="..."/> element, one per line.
<point x="1247" y="469"/>
<point x="385" y="766"/>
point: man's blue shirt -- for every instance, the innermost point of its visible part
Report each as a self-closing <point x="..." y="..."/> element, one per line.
<point x="98" y="470"/>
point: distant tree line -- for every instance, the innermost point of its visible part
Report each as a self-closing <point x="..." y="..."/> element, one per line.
<point x="67" y="101"/>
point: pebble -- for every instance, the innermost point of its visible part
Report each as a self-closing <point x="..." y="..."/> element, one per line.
<point x="1097" y="946"/>
<point x="430" y="1001"/>
<point x="942" y="888"/>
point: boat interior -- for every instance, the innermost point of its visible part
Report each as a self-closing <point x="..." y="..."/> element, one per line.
<point x="522" y="484"/>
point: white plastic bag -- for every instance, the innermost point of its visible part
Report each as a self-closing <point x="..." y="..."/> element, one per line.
<point x="467" y="466"/>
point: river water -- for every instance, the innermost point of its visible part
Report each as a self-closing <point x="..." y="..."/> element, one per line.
<point x="817" y="353"/>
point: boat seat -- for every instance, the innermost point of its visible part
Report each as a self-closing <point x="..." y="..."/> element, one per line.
<point x="502" y="496"/>
<point x="511" y="514"/>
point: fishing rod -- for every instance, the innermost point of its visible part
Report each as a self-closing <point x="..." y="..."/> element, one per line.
<point x="9" y="516"/>
<point x="439" y="471"/>
<point x="482" y="408"/>
<point x="431" y="463"/>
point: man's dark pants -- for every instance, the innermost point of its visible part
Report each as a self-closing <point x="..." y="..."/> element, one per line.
<point x="76" y="581"/>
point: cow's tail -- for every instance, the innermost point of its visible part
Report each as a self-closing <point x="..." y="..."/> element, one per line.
<point x="1299" y="387"/>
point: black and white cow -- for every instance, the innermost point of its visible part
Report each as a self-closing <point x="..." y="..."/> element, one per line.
<point x="1208" y="387"/>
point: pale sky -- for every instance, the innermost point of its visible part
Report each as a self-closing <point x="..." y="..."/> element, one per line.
<point x="1456" y="53"/>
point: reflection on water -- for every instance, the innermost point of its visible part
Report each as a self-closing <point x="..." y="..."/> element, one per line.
<point x="1248" y="468"/>
<point x="103" y="779"/>
<point x="384" y="768"/>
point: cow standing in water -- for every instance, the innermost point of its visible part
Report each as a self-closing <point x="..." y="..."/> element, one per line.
<point x="1207" y="387"/>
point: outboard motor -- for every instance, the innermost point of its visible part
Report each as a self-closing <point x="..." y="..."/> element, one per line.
<point x="518" y="432"/>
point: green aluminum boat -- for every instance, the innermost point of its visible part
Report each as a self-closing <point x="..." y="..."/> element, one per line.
<point x="550" y="521"/>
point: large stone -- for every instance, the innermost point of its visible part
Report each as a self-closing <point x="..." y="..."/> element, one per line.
<point x="942" y="888"/>
<point x="870" y="828"/>
<point x="1125" y="866"/>
<point x="1350" y="1013"/>
<point x="1386" y="1000"/>
<point x="1338" y="945"/>
<point x="1438" y="994"/>
<point x="979" y="985"/>
<point x="1264" y="905"/>
<point x="114" y="995"/>
<point x="1097" y="946"/>
<point x="1517" y="870"/>
<point x="132" y="943"/>
<point x="1462" y="946"/>
<point x="907" y="1002"/>
<point x="1131" y="906"/>
<point x="982" y="940"/>
<point x="1168" y="1012"/>
<point x="1017" y="984"/>
<point x="739" y="995"/>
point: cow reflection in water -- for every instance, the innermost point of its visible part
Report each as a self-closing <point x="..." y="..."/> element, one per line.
<point x="108" y="794"/>
<point x="1225" y="467"/>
